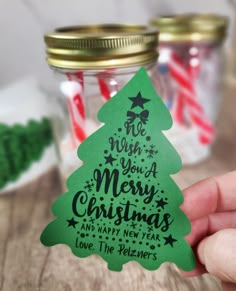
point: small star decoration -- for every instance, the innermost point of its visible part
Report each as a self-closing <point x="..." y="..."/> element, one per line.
<point x="133" y="225"/>
<point x="138" y="101"/>
<point x="109" y="160"/>
<point x="91" y="220"/>
<point x="169" y="240"/>
<point x="71" y="222"/>
<point x="161" y="203"/>
<point x="150" y="228"/>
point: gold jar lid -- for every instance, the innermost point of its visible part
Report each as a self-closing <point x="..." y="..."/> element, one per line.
<point x="101" y="46"/>
<point x="191" y="27"/>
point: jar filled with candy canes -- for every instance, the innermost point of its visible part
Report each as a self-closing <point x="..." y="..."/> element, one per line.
<point x="191" y="69"/>
<point x="90" y="64"/>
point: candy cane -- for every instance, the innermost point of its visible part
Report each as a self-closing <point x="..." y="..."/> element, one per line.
<point x="108" y="86"/>
<point x="78" y="97"/>
<point x="187" y="94"/>
<point x="73" y="91"/>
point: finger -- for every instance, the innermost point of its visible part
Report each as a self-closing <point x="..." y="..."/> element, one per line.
<point x="199" y="270"/>
<point x="217" y="254"/>
<point x="199" y="230"/>
<point x="215" y="194"/>
<point x="229" y="286"/>
<point x="206" y="226"/>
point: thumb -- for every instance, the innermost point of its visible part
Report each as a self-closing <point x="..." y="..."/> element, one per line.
<point x="218" y="254"/>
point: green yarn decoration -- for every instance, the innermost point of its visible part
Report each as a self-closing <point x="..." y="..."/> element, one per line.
<point x="20" y="146"/>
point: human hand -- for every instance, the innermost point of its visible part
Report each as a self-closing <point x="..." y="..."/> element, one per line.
<point x="211" y="207"/>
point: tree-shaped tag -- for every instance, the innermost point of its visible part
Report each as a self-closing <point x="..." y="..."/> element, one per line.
<point x="122" y="203"/>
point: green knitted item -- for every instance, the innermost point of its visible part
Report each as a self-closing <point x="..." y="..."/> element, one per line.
<point x="20" y="146"/>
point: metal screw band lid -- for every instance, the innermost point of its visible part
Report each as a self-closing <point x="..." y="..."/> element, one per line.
<point x="101" y="46"/>
<point x="191" y="27"/>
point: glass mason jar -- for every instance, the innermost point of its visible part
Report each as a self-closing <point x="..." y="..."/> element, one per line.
<point x="191" y="68"/>
<point x="90" y="64"/>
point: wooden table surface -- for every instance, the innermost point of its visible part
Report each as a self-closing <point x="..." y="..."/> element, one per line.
<point x="26" y="265"/>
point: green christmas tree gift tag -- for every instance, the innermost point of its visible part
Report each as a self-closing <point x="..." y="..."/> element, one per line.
<point x="122" y="203"/>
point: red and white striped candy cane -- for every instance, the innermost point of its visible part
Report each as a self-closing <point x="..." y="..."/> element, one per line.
<point x="187" y="97"/>
<point x="79" y="98"/>
<point x="73" y="90"/>
<point x="108" y="86"/>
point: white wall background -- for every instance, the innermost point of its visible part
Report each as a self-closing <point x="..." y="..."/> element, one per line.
<point x="23" y="23"/>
